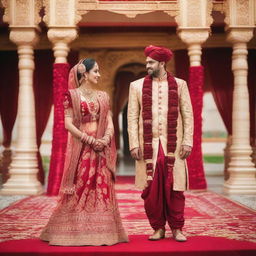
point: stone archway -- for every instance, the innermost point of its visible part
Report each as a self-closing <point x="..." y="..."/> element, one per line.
<point x="124" y="76"/>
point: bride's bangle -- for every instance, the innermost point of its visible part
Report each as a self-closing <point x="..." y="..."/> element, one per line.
<point x="83" y="137"/>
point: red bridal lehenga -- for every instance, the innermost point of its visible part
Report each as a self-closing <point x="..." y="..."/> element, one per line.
<point x="87" y="211"/>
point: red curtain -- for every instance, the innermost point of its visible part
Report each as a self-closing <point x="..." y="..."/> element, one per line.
<point x="9" y="95"/>
<point x="59" y="141"/>
<point x="195" y="161"/>
<point x="43" y="97"/>
<point x="219" y="78"/>
<point x="195" y="76"/>
<point x="252" y="93"/>
<point x="9" y="90"/>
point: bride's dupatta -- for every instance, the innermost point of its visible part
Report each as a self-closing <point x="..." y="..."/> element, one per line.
<point x="74" y="145"/>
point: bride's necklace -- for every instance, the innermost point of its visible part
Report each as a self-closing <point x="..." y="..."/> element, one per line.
<point x="87" y="92"/>
<point x="90" y="97"/>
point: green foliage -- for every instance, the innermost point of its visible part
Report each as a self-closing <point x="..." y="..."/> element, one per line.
<point x="213" y="159"/>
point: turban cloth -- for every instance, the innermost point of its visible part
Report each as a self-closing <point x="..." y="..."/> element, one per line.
<point x="158" y="53"/>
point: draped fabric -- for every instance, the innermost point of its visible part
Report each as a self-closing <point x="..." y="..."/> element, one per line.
<point x="59" y="142"/>
<point x="219" y="80"/>
<point x="9" y="95"/>
<point x="219" y="61"/>
<point x="43" y="98"/>
<point x="195" y="161"/>
<point x="195" y="75"/>
<point x="9" y="90"/>
<point x="252" y="94"/>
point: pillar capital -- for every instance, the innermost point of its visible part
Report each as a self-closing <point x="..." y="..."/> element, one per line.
<point x="24" y="36"/>
<point x="239" y="34"/>
<point x="62" y="34"/>
<point x="61" y="37"/>
<point x="192" y="36"/>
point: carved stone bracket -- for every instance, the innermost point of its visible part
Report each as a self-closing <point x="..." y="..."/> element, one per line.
<point x="131" y="9"/>
<point x="240" y="13"/>
<point x="22" y="13"/>
<point x="61" y="37"/>
<point x="194" y="13"/>
<point x="61" y="13"/>
<point x="239" y="35"/>
<point x="24" y="36"/>
<point x="194" y="38"/>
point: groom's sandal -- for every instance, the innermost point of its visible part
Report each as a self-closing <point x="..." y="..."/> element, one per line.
<point x="157" y="235"/>
<point x="178" y="235"/>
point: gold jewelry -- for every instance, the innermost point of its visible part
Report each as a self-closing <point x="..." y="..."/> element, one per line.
<point x="90" y="96"/>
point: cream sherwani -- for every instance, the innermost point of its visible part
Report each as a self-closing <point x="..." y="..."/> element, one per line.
<point x="159" y="127"/>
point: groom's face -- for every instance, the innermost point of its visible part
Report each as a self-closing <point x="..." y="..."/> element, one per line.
<point x="152" y="66"/>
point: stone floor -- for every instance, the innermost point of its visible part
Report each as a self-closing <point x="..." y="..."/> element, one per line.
<point x="213" y="175"/>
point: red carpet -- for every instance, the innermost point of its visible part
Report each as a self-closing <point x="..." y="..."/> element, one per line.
<point x="214" y="226"/>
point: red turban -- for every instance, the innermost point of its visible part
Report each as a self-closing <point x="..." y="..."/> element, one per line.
<point x="158" y="53"/>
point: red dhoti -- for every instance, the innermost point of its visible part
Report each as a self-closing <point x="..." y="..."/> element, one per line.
<point x="161" y="202"/>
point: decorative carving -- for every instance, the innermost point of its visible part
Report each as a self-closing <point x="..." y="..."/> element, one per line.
<point x="6" y="5"/>
<point x="130" y="10"/>
<point x="194" y="13"/>
<point x="239" y="13"/>
<point x="38" y="7"/>
<point x="218" y="6"/>
<point x="209" y="19"/>
<point x="227" y="12"/>
<point x="46" y="17"/>
<point x="194" y="39"/>
<point x="61" y="37"/>
<point x="23" y="13"/>
<point x="65" y="13"/>
<point x="194" y="36"/>
<point x="22" y="17"/>
<point x="77" y="16"/>
<point x="240" y="35"/>
<point x="62" y="12"/>
<point x="243" y="12"/>
<point x="64" y="35"/>
<point x="24" y="36"/>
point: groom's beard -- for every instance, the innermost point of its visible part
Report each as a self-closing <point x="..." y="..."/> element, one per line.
<point x="153" y="73"/>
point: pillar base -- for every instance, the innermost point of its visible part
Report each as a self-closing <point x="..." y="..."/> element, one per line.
<point x="17" y="188"/>
<point x="242" y="187"/>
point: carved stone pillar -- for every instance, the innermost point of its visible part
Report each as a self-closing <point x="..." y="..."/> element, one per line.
<point x="194" y="21"/>
<point x="61" y="18"/>
<point x="194" y="38"/>
<point x="24" y="166"/>
<point x="61" y="38"/>
<point x="241" y="168"/>
<point x="23" y="17"/>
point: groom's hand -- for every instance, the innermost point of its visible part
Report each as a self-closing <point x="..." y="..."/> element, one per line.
<point x="185" y="151"/>
<point x="136" y="153"/>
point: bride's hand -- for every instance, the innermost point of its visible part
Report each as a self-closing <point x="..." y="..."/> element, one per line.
<point x="98" y="145"/>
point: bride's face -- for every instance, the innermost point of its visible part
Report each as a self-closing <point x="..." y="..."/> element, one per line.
<point x="93" y="75"/>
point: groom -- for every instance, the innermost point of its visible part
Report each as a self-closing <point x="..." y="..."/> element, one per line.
<point x="160" y="127"/>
